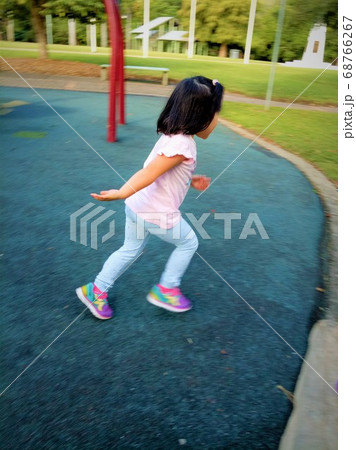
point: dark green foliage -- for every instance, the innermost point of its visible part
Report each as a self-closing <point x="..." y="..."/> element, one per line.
<point x="82" y="10"/>
<point x="300" y="17"/>
<point x="222" y="22"/>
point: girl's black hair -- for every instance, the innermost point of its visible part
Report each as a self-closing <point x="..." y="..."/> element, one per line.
<point x="191" y="107"/>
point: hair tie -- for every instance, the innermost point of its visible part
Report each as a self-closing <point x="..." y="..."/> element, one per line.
<point x="215" y="81"/>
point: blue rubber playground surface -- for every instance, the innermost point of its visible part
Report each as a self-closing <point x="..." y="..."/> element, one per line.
<point x="212" y="378"/>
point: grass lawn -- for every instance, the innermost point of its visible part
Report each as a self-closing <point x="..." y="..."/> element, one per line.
<point x="310" y="134"/>
<point x="249" y="79"/>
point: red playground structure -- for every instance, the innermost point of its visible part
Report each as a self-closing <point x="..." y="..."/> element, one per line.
<point x="117" y="85"/>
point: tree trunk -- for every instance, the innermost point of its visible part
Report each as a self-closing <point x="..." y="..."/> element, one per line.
<point x="223" y="51"/>
<point x="39" y="26"/>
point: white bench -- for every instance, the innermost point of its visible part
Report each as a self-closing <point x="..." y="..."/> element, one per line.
<point x="164" y="70"/>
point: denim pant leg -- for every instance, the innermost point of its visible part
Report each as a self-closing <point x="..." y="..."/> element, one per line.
<point x="186" y="242"/>
<point x="120" y="260"/>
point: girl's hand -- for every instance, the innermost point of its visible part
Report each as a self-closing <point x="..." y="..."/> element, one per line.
<point x="200" y="182"/>
<point x="106" y="196"/>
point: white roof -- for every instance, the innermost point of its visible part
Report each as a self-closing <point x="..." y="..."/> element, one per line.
<point x="150" y="34"/>
<point x="152" y="24"/>
<point x="174" y="35"/>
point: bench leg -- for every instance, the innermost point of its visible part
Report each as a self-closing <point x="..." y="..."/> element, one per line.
<point x="165" y="79"/>
<point x="104" y="73"/>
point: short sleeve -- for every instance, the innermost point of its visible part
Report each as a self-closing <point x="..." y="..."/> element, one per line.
<point x="178" y="144"/>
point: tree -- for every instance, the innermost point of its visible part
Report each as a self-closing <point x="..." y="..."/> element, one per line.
<point x="39" y="26"/>
<point x="264" y="30"/>
<point x="300" y="17"/>
<point x="34" y="8"/>
<point x="12" y="9"/>
<point x="82" y="10"/>
<point x="331" y="19"/>
<point x="223" y="22"/>
<point x="158" y="8"/>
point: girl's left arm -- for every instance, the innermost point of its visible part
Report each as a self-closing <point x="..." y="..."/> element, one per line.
<point x="141" y="179"/>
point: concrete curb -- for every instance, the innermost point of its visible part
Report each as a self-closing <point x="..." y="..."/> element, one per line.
<point x="313" y="422"/>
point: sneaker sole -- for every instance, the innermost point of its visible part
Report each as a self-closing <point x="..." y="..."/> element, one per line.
<point x="165" y="306"/>
<point x="88" y="304"/>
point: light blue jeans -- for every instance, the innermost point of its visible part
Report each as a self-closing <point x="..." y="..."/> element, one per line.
<point x="137" y="233"/>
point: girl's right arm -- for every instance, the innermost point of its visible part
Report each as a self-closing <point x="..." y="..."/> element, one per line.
<point x="142" y="178"/>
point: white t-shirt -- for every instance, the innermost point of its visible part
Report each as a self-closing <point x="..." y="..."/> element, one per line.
<point x="160" y="201"/>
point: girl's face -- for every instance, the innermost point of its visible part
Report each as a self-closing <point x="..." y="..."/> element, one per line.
<point x="206" y="133"/>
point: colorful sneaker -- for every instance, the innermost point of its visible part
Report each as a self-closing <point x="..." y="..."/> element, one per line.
<point x="95" y="300"/>
<point x="171" y="299"/>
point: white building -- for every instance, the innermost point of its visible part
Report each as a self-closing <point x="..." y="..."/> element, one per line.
<point x="313" y="56"/>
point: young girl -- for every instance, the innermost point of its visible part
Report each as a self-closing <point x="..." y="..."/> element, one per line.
<point x="154" y="194"/>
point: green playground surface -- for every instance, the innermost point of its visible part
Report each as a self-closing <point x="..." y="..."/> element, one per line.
<point x="209" y="378"/>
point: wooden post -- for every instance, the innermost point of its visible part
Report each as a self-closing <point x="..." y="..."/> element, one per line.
<point x="10" y="35"/>
<point x="72" y="39"/>
<point x="49" y="29"/>
<point x="103" y="35"/>
<point x="93" y="35"/>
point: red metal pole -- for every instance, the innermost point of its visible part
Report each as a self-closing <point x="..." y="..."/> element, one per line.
<point x="117" y="68"/>
<point x="121" y="74"/>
